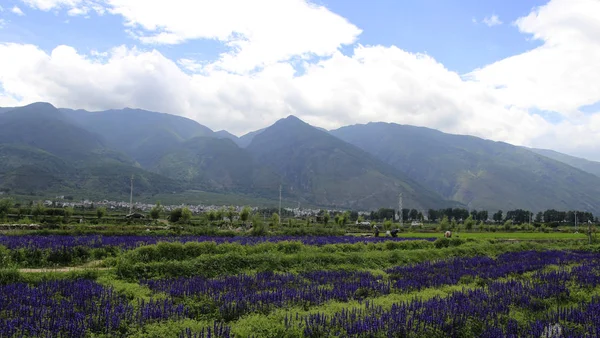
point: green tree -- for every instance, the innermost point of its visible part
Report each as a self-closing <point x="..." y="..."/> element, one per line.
<point x="539" y="216"/>
<point x="69" y="211"/>
<point x="387" y="224"/>
<point x="175" y="215"/>
<point x="360" y="219"/>
<point x="453" y="224"/>
<point x="186" y="215"/>
<point x="245" y="214"/>
<point x="481" y="225"/>
<point x="346" y="218"/>
<point x="211" y="215"/>
<point x="469" y="223"/>
<point x="5" y="205"/>
<point x="497" y="217"/>
<point x="275" y="219"/>
<point x="219" y="214"/>
<point x="156" y="211"/>
<point x="444" y="223"/>
<point x="433" y="215"/>
<point x="326" y="218"/>
<point x="230" y="214"/>
<point x="101" y="212"/>
<point x="38" y="210"/>
<point x="507" y="224"/>
<point x="258" y="227"/>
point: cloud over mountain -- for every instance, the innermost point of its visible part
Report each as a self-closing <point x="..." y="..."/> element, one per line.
<point x="297" y="57"/>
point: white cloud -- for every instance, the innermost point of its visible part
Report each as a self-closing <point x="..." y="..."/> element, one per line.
<point x="259" y="32"/>
<point x="74" y="7"/>
<point x="46" y="5"/>
<point x="16" y="10"/>
<point x="491" y="21"/>
<point x="560" y="75"/>
<point x="2" y="23"/>
<point x="375" y="83"/>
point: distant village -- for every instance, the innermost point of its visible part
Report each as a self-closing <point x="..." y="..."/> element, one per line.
<point x="297" y="212"/>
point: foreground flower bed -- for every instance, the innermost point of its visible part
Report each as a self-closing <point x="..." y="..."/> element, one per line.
<point x="517" y="294"/>
<point x="74" y="308"/>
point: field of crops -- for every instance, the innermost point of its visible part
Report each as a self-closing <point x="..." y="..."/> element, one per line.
<point x="303" y="287"/>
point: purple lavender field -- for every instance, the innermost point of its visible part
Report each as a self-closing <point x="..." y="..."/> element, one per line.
<point x="516" y="294"/>
<point x="55" y="242"/>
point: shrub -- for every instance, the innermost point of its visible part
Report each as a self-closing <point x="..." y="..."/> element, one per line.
<point x="9" y="276"/>
<point x="258" y="226"/>
<point x="175" y="215"/>
<point x="442" y="242"/>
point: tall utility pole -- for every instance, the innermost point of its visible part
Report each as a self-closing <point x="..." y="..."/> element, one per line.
<point x="400" y="214"/>
<point x="280" y="203"/>
<point x="131" y="197"/>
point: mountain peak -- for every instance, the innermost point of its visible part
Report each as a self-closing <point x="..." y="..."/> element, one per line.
<point x="225" y="134"/>
<point x="293" y="118"/>
<point x="40" y="105"/>
<point x="38" y="110"/>
<point x="289" y="122"/>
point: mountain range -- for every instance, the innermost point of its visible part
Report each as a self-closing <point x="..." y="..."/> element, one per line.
<point x="45" y="151"/>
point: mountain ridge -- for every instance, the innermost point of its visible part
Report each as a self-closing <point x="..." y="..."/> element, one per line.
<point x="315" y="166"/>
<point x="320" y="166"/>
<point x="487" y="174"/>
<point x="592" y="167"/>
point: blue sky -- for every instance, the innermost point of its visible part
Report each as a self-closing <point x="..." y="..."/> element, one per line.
<point x="522" y="72"/>
<point x="443" y="29"/>
<point x="452" y="31"/>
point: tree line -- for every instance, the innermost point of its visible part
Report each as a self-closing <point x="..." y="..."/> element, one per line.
<point x="517" y="216"/>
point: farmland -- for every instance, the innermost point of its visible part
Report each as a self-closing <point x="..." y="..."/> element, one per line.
<point x="298" y="286"/>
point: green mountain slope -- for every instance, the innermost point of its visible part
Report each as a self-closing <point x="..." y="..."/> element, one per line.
<point x="26" y="170"/>
<point x="42" y="152"/>
<point x="245" y="140"/>
<point x="591" y="167"/>
<point x="113" y="180"/>
<point x="489" y="175"/>
<point x="217" y="165"/>
<point x="327" y="171"/>
<point x="15" y="156"/>
<point x="42" y="126"/>
<point x="226" y="134"/>
<point x="145" y="136"/>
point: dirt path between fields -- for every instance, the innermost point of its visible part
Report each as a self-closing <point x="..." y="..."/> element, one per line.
<point x="94" y="265"/>
<point x="63" y="269"/>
